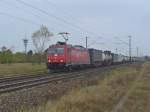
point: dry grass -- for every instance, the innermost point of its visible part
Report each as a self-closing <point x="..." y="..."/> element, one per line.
<point x="99" y="98"/>
<point x="139" y="99"/>
<point x="20" y="68"/>
<point x="102" y="97"/>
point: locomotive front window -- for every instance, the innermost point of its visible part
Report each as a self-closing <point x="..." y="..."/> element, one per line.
<point x="56" y="51"/>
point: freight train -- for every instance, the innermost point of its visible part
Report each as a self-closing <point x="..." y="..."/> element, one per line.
<point x="62" y="56"/>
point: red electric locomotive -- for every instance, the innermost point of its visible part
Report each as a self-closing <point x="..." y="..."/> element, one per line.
<point x="64" y="56"/>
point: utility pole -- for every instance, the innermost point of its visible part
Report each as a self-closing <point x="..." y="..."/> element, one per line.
<point x="130" y="47"/>
<point x="86" y="42"/>
<point x="116" y="51"/>
<point x="25" y="41"/>
<point x="137" y="51"/>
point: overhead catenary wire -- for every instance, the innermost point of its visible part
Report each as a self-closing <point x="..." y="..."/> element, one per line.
<point x="19" y="18"/>
<point x="38" y="17"/>
<point x="30" y="12"/>
<point x="14" y="6"/>
<point x="53" y="16"/>
<point x="22" y="19"/>
<point x="126" y="43"/>
<point x="46" y="13"/>
<point x="50" y="15"/>
<point x="69" y="15"/>
<point x="60" y="9"/>
<point x="72" y="17"/>
<point x="95" y="41"/>
<point x="43" y="11"/>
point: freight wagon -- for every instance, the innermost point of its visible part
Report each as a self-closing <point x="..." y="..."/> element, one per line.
<point x="107" y="58"/>
<point x="118" y="58"/>
<point x="99" y="58"/>
<point x="96" y="57"/>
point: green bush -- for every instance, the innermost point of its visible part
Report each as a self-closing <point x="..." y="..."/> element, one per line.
<point x="6" y="57"/>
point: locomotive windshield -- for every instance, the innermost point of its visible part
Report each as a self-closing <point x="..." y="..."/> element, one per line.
<point x="56" y="51"/>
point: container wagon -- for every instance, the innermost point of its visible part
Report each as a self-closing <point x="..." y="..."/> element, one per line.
<point x="96" y="57"/>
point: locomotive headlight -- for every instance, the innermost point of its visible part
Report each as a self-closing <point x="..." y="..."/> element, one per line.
<point x="55" y="54"/>
<point x="61" y="61"/>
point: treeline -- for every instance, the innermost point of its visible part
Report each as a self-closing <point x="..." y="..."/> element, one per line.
<point x="7" y="56"/>
<point x="39" y="38"/>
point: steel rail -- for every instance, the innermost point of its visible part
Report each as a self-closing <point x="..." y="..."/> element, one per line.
<point x="32" y="81"/>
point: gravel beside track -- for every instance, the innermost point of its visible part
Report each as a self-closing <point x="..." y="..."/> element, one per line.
<point x="23" y="82"/>
<point x="29" y="97"/>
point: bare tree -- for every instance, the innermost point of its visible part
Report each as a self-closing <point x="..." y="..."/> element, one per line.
<point x="40" y="38"/>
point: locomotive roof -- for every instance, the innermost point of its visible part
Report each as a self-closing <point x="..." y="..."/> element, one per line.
<point x="68" y="45"/>
<point x="94" y="49"/>
<point x="57" y="45"/>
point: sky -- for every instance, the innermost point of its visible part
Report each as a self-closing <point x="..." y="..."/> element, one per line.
<point x="107" y="23"/>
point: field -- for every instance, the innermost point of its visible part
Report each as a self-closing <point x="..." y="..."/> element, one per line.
<point x="126" y="89"/>
<point x="20" y="68"/>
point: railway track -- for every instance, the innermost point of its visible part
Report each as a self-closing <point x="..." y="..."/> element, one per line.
<point x="16" y="83"/>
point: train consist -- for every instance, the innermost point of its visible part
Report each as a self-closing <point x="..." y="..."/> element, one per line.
<point x="68" y="57"/>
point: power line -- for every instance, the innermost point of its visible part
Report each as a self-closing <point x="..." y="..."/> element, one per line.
<point x="130" y="47"/>
<point x="137" y="51"/>
<point x="46" y="13"/>
<point x="71" y="16"/>
<point x="40" y="10"/>
<point x="52" y="15"/>
<point x="32" y="13"/>
<point x="33" y="7"/>
<point x="14" y="6"/>
<point x="128" y="44"/>
<point x="95" y="41"/>
<point x="58" y="8"/>
<point x="18" y="18"/>
<point x="67" y="14"/>
<point x="121" y="41"/>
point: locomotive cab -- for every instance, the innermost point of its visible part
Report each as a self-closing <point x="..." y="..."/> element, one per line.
<point x="56" y="56"/>
<point x="67" y="57"/>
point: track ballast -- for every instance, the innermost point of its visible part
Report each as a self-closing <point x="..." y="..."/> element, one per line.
<point x="16" y="83"/>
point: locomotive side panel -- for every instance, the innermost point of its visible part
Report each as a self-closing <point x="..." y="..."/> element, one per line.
<point x="79" y="56"/>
